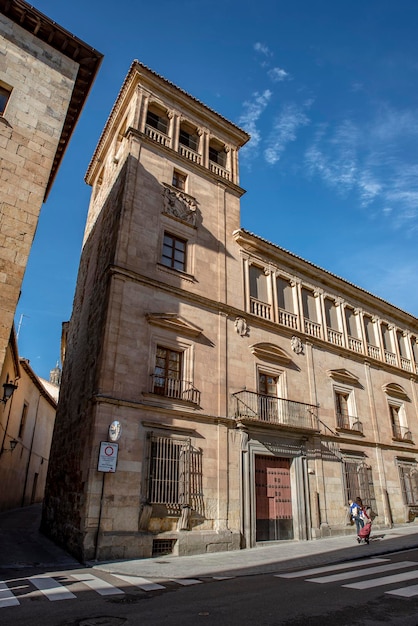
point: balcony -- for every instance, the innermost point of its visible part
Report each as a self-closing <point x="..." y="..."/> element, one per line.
<point x="406" y="364"/>
<point x="175" y="389"/>
<point x="157" y="136"/>
<point x="249" y="405"/>
<point x="218" y="170"/>
<point x="390" y="358"/>
<point x="312" y="328"/>
<point x="190" y="154"/>
<point x="355" y="344"/>
<point x="335" y="337"/>
<point x="373" y="351"/>
<point x="288" y="319"/>
<point x="401" y="433"/>
<point x="261" y="309"/>
<point x="349" y="422"/>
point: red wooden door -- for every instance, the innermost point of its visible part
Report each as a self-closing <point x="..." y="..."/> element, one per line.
<point x="274" y="519"/>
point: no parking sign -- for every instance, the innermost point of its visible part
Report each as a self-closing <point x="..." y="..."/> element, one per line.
<point x="108" y="457"/>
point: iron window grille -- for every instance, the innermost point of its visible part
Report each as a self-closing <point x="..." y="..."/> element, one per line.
<point x="359" y="482"/>
<point x="175" y="474"/>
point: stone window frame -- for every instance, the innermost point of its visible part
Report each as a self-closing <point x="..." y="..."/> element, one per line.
<point x="5" y="93"/>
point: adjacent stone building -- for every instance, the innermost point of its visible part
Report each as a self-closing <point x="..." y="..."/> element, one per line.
<point x="26" y="433"/>
<point x="252" y="392"/>
<point x="45" y="76"/>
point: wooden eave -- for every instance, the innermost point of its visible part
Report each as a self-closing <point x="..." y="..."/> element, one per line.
<point x="88" y="59"/>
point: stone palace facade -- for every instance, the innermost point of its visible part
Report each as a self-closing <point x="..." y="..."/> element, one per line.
<point x="256" y="392"/>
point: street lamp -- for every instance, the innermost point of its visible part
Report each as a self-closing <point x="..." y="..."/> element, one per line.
<point x="8" y="391"/>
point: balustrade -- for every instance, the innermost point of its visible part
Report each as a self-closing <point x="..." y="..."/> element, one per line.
<point x="312" y="328"/>
<point x="406" y="364"/>
<point x="288" y="319"/>
<point x="355" y="344"/>
<point x="390" y="358"/>
<point x="373" y="351"/>
<point x="157" y="136"/>
<point x="262" y="309"/>
<point x="218" y="170"/>
<point x="190" y="154"/>
<point x="335" y="337"/>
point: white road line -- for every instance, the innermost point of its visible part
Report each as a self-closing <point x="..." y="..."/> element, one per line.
<point x="331" y="568"/>
<point x="97" y="584"/>
<point x="404" y="592"/>
<point x="185" y="582"/>
<point x="222" y="577"/>
<point x="6" y="596"/>
<point x="138" y="581"/>
<point x="366" y="571"/>
<point x="51" y="588"/>
<point x="387" y="580"/>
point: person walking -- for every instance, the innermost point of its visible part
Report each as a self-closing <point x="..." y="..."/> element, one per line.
<point x="357" y="514"/>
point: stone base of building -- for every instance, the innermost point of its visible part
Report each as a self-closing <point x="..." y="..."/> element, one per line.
<point x="114" y="546"/>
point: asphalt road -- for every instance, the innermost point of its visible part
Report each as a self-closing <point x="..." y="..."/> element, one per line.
<point x="357" y="592"/>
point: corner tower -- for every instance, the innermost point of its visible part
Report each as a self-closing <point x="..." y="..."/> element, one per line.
<point x="156" y="296"/>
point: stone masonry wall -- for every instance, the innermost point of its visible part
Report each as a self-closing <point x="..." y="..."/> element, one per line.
<point x="41" y="82"/>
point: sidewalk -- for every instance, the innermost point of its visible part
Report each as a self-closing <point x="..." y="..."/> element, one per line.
<point x="22" y="545"/>
<point x="268" y="558"/>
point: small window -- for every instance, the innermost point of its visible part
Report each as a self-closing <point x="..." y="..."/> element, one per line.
<point x="188" y="139"/>
<point x="23" y="420"/>
<point x="179" y="180"/>
<point x="398" y="422"/>
<point x="174" y="252"/>
<point x="359" y="482"/>
<point x="168" y="372"/>
<point x="408" y="475"/>
<point x="4" y="97"/>
<point x="217" y="156"/>
<point x="157" y="120"/>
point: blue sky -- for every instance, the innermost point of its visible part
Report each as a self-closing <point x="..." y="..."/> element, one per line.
<point x="326" y="89"/>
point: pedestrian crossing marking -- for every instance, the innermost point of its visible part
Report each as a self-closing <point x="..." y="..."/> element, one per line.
<point x="6" y="596"/>
<point x="387" y="580"/>
<point x="330" y="568"/>
<point x="185" y="582"/>
<point x="97" y="584"/>
<point x="404" y="592"/>
<point x="367" y="571"/>
<point x="138" y="581"/>
<point x="52" y="589"/>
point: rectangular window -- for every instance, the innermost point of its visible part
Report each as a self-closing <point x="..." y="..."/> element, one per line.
<point x="408" y="475"/>
<point x="174" y="252"/>
<point x="350" y="320"/>
<point x="4" y="97"/>
<point x="369" y="330"/>
<point x="398" y="422"/>
<point x="309" y="305"/>
<point x="175" y="474"/>
<point x="157" y="121"/>
<point x="179" y="180"/>
<point x="188" y="139"/>
<point x="168" y="372"/>
<point x="359" y="482"/>
<point x="217" y="156"/>
<point x="258" y="284"/>
<point x="23" y="420"/>
<point x="285" y="295"/>
<point x="341" y="405"/>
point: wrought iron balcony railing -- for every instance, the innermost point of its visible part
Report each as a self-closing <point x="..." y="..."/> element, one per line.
<point x="258" y="407"/>
<point x="349" y="422"/>
<point x="401" y="432"/>
<point x="174" y="388"/>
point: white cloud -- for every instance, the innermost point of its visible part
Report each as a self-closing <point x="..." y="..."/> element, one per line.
<point x="284" y="130"/>
<point x="248" y="120"/>
<point x="263" y="49"/>
<point x="278" y="74"/>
